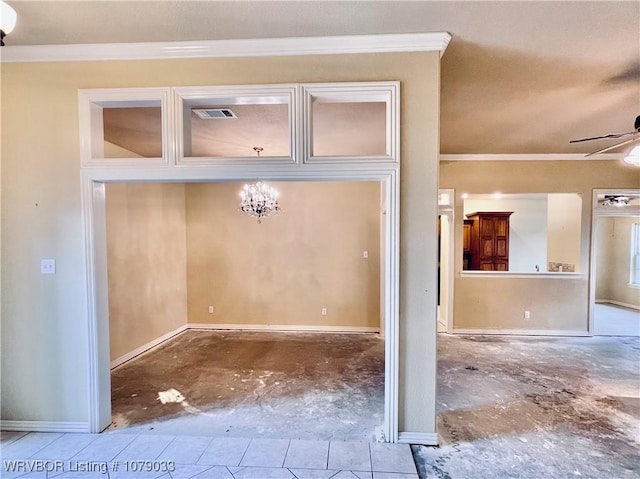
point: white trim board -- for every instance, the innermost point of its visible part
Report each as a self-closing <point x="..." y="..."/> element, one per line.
<point x="94" y="231"/>
<point x="284" y="328"/>
<point x="598" y="212"/>
<point x="529" y="157"/>
<point x="618" y="303"/>
<point x="424" y="438"/>
<point x="146" y="347"/>
<point x="253" y="47"/>
<point x="522" y="332"/>
<point x="44" y="426"/>
<point x="514" y="275"/>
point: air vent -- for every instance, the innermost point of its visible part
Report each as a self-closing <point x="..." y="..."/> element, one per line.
<point x="214" y="113"/>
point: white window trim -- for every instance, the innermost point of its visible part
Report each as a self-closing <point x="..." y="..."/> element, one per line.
<point x="95" y="173"/>
<point x="387" y="92"/>
<point x="90" y="104"/>
<point x="298" y="96"/>
<point x="286" y="93"/>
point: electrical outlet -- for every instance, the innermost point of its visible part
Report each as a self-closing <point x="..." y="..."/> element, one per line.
<point x="210" y="309"/>
<point x="47" y="266"/>
<point x="365" y="254"/>
<point x="527" y="315"/>
<point x="324" y="311"/>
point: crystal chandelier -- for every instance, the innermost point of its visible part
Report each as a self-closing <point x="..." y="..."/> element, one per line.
<point x="259" y="200"/>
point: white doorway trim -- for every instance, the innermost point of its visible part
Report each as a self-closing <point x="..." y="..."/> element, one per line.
<point x="446" y="198"/>
<point x="597" y="213"/>
<point x="94" y="231"/>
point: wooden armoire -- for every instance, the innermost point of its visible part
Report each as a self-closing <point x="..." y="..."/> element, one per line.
<point x="489" y="240"/>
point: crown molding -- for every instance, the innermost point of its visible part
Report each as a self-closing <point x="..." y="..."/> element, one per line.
<point x="255" y="47"/>
<point x="531" y="157"/>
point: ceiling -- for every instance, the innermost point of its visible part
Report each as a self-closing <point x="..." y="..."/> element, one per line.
<point x="517" y="77"/>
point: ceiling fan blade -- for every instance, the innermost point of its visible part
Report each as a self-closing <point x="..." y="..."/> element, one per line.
<point x="602" y="150"/>
<point x="612" y="135"/>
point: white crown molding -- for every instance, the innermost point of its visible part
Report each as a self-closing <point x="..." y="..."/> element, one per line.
<point x="530" y="157"/>
<point x="254" y="47"/>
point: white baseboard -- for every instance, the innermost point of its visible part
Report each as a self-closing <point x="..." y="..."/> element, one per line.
<point x="424" y="438"/>
<point x="44" y="426"/>
<point x="285" y="327"/>
<point x="146" y="347"/>
<point x="619" y="303"/>
<point x="522" y="332"/>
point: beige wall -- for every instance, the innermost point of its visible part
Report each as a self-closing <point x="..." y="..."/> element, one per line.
<point x="280" y="272"/>
<point x="555" y="304"/>
<point x="613" y="264"/>
<point x="147" y="263"/>
<point x="44" y="318"/>
<point x="564" y="229"/>
<point x="284" y="270"/>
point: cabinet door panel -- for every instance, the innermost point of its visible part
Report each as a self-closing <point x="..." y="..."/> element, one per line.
<point x="500" y="265"/>
<point x="486" y="227"/>
<point x="486" y="266"/>
<point x="502" y="246"/>
<point x="487" y="247"/>
<point x="501" y="226"/>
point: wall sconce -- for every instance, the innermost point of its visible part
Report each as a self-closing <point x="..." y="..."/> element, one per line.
<point x="8" y="17"/>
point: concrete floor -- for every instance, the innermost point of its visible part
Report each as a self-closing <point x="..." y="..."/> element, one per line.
<point x="532" y="407"/>
<point x="255" y="384"/>
<point x="508" y="407"/>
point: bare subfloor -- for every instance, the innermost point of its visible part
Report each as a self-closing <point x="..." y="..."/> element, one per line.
<point x="255" y="384"/>
<point x="530" y="407"/>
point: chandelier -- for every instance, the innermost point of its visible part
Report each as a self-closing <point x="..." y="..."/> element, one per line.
<point x="259" y="200"/>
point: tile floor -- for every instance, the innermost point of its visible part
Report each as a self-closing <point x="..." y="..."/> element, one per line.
<point x="89" y="456"/>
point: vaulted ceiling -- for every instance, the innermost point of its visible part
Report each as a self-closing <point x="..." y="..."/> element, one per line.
<point x="517" y="77"/>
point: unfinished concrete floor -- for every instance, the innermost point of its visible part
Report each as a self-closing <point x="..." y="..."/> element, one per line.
<point x="530" y="407"/>
<point x="255" y="384"/>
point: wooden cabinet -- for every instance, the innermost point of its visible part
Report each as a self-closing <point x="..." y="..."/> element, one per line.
<point x="466" y="244"/>
<point x="466" y="236"/>
<point x="489" y="241"/>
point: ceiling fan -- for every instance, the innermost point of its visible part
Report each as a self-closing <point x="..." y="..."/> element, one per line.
<point x="630" y="137"/>
<point x="614" y="200"/>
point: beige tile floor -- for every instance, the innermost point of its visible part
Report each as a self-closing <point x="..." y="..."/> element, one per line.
<point x="115" y="456"/>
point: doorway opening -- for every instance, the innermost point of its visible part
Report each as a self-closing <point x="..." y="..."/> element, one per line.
<point x="224" y="325"/>
<point x="95" y="183"/>
<point x="615" y="279"/>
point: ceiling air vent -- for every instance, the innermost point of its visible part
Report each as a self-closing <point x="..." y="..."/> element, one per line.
<point x="214" y="113"/>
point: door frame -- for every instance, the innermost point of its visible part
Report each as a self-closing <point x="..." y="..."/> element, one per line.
<point x="446" y="208"/>
<point x="94" y="232"/>
<point x="598" y="212"/>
